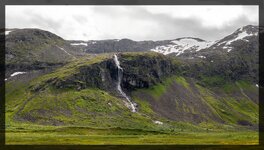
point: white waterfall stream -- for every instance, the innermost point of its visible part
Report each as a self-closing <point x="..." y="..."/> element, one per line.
<point x="120" y="76"/>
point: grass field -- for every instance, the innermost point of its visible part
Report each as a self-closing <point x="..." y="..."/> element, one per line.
<point x="86" y="136"/>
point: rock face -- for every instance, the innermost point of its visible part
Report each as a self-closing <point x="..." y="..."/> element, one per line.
<point x="139" y="71"/>
<point x="101" y="75"/>
<point x="143" y="71"/>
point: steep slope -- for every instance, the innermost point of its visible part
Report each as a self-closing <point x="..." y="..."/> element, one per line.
<point x="191" y="47"/>
<point x="237" y="39"/>
<point x="84" y="93"/>
<point x="184" y="100"/>
<point x="31" y="49"/>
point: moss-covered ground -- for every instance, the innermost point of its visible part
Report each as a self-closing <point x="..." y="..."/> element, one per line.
<point x="123" y="137"/>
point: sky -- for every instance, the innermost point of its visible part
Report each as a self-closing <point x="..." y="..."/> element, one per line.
<point x="145" y="22"/>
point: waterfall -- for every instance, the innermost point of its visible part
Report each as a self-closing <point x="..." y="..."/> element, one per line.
<point x="120" y="76"/>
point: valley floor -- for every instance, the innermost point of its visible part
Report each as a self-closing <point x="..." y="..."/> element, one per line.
<point x="87" y="136"/>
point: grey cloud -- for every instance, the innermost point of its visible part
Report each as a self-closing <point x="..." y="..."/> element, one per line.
<point x="44" y="21"/>
<point x="160" y="26"/>
<point x="80" y="19"/>
<point x="217" y="33"/>
<point x="169" y="27"/>
<point x="84" y="34"/>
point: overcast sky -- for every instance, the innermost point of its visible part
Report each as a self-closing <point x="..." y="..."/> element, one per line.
<point x="133" y="22"/>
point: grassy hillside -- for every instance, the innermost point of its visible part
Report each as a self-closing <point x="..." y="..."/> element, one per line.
<point x="80" y="104"/>
<point x="188" y="101"/>
<point x="33" y="49"/>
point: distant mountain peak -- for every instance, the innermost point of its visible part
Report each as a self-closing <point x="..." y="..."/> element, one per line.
<point x="249" y="29"/>
<point x="242" y="34"/>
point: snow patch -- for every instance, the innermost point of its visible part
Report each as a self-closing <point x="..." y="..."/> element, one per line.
<point x="182" y="45"/>
<point x="240" y="36"/>
<point x="65" y="51"/>
<point x="158" y="122"/>
<point x="201" y="56"/>
<point x="85" y="44"/>
<point x="167" y="49"/>
<point x="16" y="73"/>
<point x="7" y="32"/>
<point x="192" y="43"/>
<point x="228" y="48"/>
<point x="221" y="43"/>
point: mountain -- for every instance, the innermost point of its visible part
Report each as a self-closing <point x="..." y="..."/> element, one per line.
<point x="28" y="49"/>
<point x="236" y="56"/>
<point x="191" y="47"/>
<point x="235" y="40"/>
<point x="178" y="47"/>
<point x="193" y="86"/>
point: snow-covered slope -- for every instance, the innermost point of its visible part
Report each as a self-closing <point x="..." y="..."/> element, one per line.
<point x="7" y="32"/>
<point x="192" y="45"/>
<point x="179" y="46"/>
<point x="243" y="34"/>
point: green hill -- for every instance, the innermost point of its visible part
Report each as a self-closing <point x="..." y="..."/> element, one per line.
<point x="83" y="93"/>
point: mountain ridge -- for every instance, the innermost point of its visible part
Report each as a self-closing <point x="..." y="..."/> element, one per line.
<point x="161" y="46"/>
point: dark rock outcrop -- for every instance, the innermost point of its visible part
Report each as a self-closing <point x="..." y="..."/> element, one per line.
<point x="144" y="71"/>
<point x="140" y="71"/>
